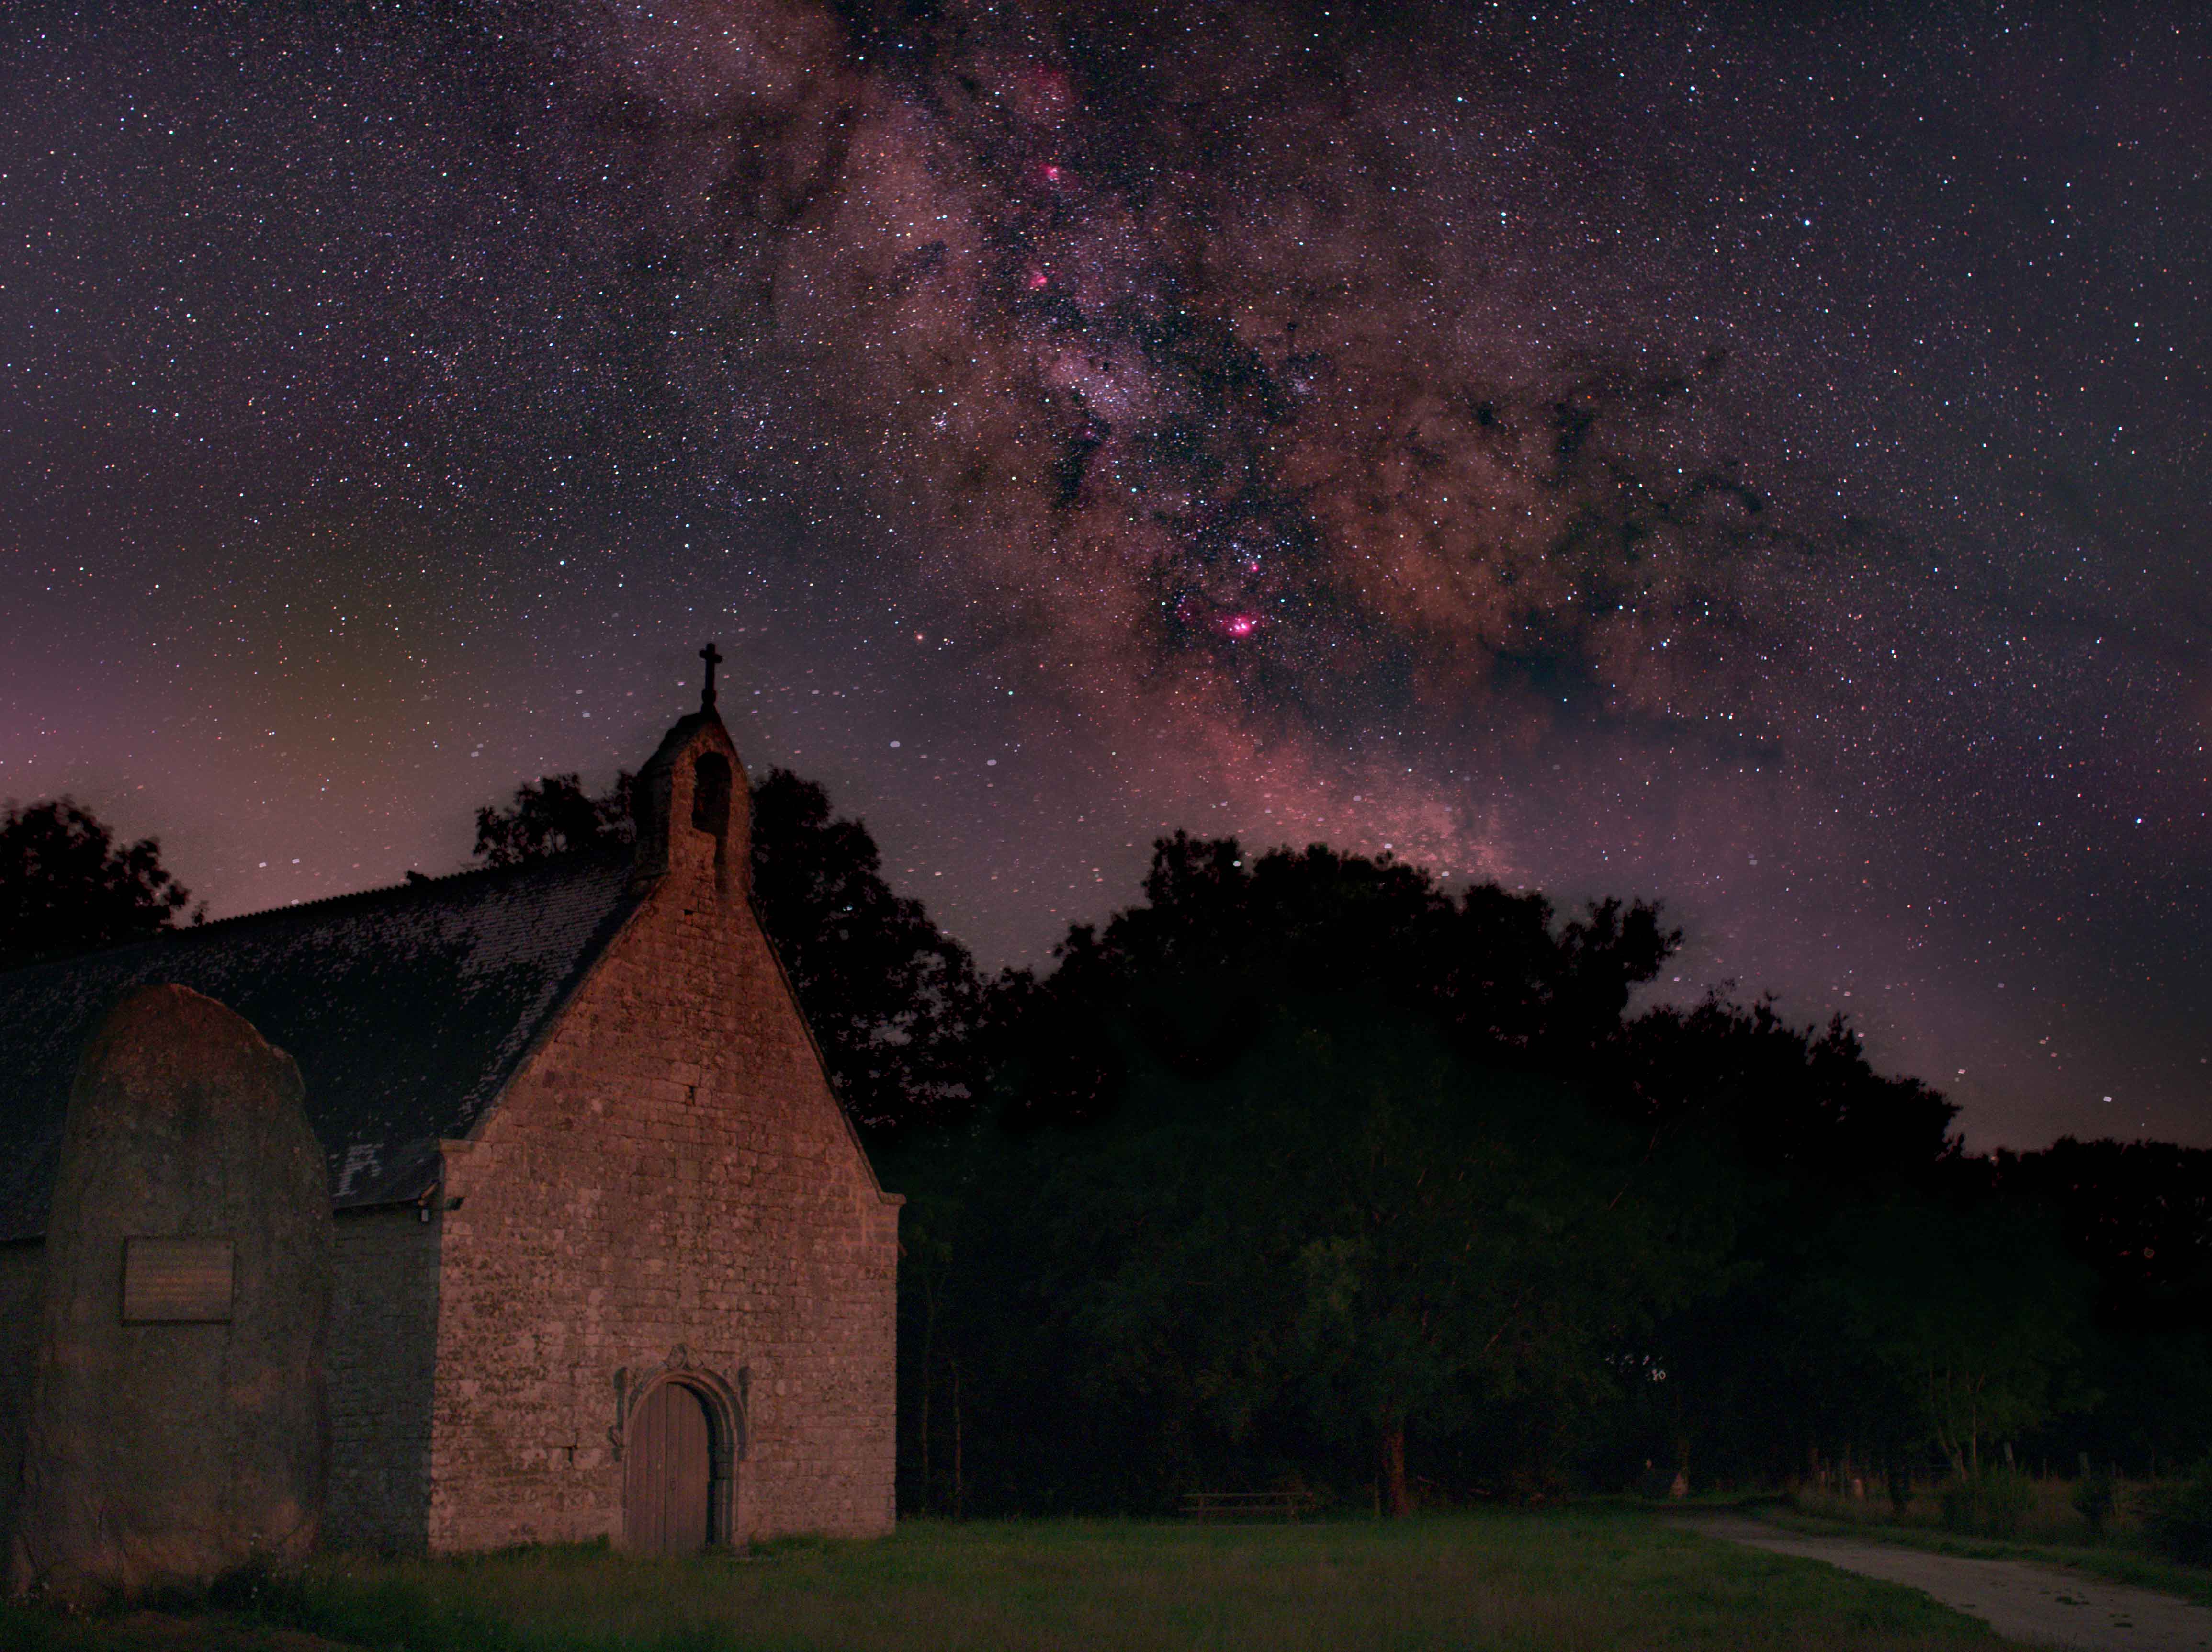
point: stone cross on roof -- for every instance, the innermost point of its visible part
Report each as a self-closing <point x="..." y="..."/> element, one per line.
<point x="712" y="656"/>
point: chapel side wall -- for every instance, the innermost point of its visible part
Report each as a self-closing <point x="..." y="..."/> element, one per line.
<point x="22" y="1283"/>
<point x="382" y="1352"/>
<point x="668" y="1170"/>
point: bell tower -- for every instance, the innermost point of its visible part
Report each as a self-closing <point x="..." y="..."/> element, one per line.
<point x="693" y="804"/>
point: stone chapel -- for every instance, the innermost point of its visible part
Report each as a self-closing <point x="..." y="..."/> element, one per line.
<point x="610" y="1260"/>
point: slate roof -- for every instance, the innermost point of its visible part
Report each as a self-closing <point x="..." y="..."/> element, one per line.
<point x="406" y="1008"/>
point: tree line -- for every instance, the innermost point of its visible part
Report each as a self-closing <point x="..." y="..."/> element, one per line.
<point x="1304" y="1171"/>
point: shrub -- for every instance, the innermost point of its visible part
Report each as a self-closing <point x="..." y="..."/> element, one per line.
<point x="1957" y="1499"/>
<point x="1995" y="1501"/>
<point x="1899" y="1479"/>
<point x="2094" y="1498"/>
<point x="2008" y="1495"/>
<point x="2178" y="1518"/>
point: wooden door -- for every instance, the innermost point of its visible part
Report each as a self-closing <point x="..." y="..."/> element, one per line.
<point x="667" y="1472"/>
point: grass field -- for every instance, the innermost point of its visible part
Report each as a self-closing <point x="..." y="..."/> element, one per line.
<point x="1580" y="1579"/>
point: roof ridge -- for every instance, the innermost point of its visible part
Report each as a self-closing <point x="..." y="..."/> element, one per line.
<point x="609" y="854"/>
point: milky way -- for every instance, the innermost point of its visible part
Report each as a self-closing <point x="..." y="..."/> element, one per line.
<point x="1756" y="463"/>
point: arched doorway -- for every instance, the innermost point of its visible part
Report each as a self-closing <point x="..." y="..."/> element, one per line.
<point x="668" y="1476"/>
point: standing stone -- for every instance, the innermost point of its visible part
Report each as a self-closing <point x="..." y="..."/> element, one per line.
<point x="177" y="1426"/>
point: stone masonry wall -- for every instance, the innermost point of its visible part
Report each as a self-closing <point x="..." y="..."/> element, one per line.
<point x="22" y="1275"/>
<point x="383" y="1326"/>
<point x="669" y="1169"/>
<point x="381" y="1357"/>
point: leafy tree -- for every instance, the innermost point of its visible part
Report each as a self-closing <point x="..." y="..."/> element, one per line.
<point x="1489" y="966"/>
<point x="1290" y="1175"/>
<point x="1799" y="1104"/>
<point x="2139" y="1213"/>
<point x="1323" y="1240"/>
<point x="1476" y="1242"/>
<point x="1490" y="962"/>
<point x="894" y="1002"/>
<point x="67" y="886"/>
<point x="1949" y="1326"/>
<point x="554" y="816"/>
<point x="1127" y="1084"/>
<point x="1806" y="1138"/>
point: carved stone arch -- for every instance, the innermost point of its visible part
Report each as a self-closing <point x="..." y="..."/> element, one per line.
<point x="724" y="1404"/>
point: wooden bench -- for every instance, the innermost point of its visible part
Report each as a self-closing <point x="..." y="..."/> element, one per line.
<point x="1247" y="1505"/>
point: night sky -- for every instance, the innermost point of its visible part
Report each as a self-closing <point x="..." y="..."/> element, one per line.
<point x="1754" y="457"/>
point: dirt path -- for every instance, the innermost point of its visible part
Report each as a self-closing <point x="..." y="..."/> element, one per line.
<point x="160" y="1632"/>
<point x="2020" y="1599"/>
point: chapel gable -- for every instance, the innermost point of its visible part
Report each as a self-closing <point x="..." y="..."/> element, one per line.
<point x="610" y="1262"/>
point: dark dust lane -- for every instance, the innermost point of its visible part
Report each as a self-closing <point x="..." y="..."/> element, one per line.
<point x="2021" y="1600"/>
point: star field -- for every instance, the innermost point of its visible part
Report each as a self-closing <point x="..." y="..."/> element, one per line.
<point x="1754" y="457"/>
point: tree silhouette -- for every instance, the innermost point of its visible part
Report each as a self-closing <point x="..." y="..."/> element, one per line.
<point x="893" y="1001"/>
<point x="554" y="816"/>
<point x="1494" y="968"/>
<point x="67" y="886"/>
<point x="1946" y="1325"/>
<point x="1305" y="1160"/>
<point x="1290" y="1170"/>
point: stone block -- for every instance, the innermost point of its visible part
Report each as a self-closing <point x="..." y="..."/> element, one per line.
<point x="177" y="1426"/>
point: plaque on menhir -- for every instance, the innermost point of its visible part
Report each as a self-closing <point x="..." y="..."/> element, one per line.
<point x="177" y="1426"/>
<point x="176" y="1281"/>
